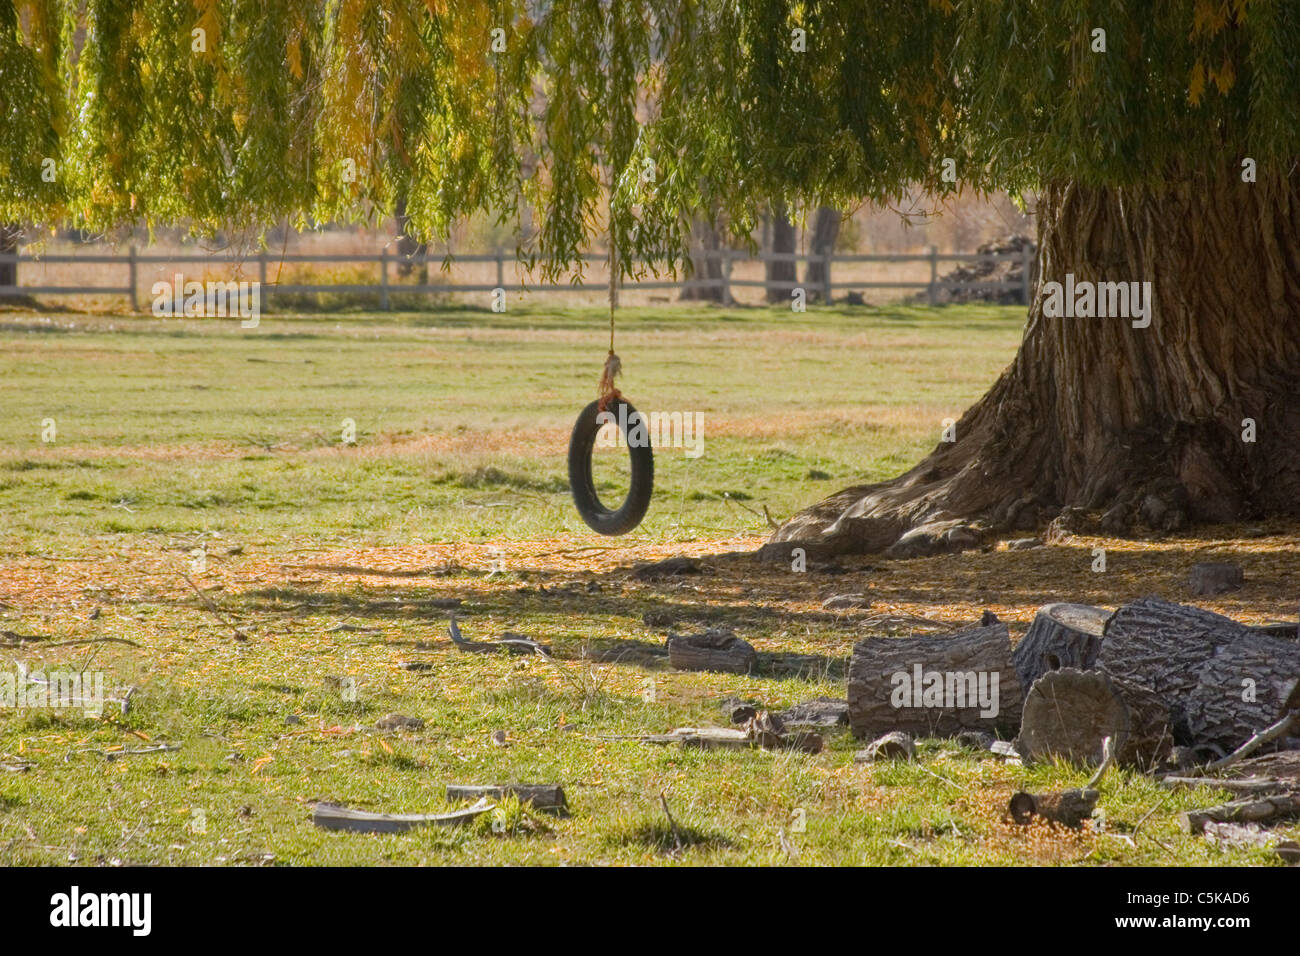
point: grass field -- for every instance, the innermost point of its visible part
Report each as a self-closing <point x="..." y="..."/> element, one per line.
<point x="136" y="451"/>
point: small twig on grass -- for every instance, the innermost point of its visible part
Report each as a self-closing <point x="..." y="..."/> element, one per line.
<point x="212" y="608"/>
<point x="677" y="836"/>
<point x="114" y="754"/>
<point x="937" y="776"/>
<point x="1107" y="758"/>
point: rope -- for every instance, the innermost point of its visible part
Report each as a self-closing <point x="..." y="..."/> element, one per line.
<point x="606" y="392"/>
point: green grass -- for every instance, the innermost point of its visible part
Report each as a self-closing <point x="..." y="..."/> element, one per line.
<point x="173" y="435"/>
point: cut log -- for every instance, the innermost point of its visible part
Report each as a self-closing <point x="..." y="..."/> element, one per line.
<point x="934" y="686"/>
<point x="715" y="649"/>
<point x="1162" y="646"/>
<point x="1251" y="810"/>
<point x="1247" y="686"/>
<point x="332" y="817"/>
<point x="539" y="796"/>
<point x="1067" y="807"/>
<point x="763" y="730"/>
<point x="819" y="713"/>
<point x="1069" y="713"/>
<point x="1062" y="635"/>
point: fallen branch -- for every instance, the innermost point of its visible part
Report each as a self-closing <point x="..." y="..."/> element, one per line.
<point x="540" y="796"/>
<point x="329" y="816"/>
<point x="515" y="644"/>
<point x="1248" y="785"/>
<point x="1243" y="811"/>
<point x="677" y="836"/>
<point x="114" y="754"/>
<point x="91" y="640"/>
<point x="213" y="609"/>
<point x="1067" y="807"/>
<point x="1107" y="758"/>
<point x="1269" y="733"/>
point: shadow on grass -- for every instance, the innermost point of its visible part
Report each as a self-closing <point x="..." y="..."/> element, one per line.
<point x="658" y="834"/>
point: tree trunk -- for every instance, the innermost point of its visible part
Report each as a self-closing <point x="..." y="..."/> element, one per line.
<point x="10" y="234"/>
<point x="1096" y="414"/>
<point x="705" y="267"/>
<point x="826" y="230"/>
<point x="785" y="270"/>
<point x="410" y="250"/>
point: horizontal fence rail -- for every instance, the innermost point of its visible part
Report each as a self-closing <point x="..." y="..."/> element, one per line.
<point x="726" y="259"/>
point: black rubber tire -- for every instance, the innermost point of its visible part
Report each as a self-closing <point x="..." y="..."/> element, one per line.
<point x="581" y="445"/>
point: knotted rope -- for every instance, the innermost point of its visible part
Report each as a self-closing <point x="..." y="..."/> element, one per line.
<point x="606" y="392"/>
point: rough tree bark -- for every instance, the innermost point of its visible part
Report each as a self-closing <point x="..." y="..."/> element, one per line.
<point x="1133" y="423"/>
<point x="1062" y="635"/>
<point x="10" y="233"/>
<point x="410" y="250"/>
<point x="826" y="229"/>
<point x="706" y="239"/>
<point x="783" y="241"/>
<point x="928" y="686"/>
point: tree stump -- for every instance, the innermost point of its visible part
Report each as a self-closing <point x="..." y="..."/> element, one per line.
<point x="715" y="649"/>
<point x="934" y="686"/>
<point x="1069" y="713"/>
<point x="1247" y="686"/>
<point x="1062" y="635"/>
<point x="1163" y="646"/>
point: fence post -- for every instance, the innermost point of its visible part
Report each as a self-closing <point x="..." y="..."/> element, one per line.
<point x="830" y="255"/>
<point x="501" y="270"/>
<point x="135" y="305"/>
<point x="1026" y="267"/>
<point x="261" y="277"/>
<point x="383" y="280"/>
<point x="726" y="277"/>
<point x="934" y="273"/>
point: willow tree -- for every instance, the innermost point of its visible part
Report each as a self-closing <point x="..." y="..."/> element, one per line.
<point x="1162" y="145"/>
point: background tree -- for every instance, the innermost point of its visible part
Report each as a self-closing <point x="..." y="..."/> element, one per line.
<point x="1134" y="138"/>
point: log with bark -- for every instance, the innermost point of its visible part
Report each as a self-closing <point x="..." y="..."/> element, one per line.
<point x="1062" y="635"/>
<point x="1162" y="646"/>
<point x="1066" y="807"/>
<point x="1069" y="713"/>
<point x="1282" y="806"/>
<point x="715" y="649"/>
<point x="1251" y="684"/>
<point x="934" y="686"/>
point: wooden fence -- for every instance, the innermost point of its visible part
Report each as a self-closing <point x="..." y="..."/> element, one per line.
<point x="386" y="261"/>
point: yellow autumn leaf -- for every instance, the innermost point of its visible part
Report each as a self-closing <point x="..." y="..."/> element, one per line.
<point x="1225" y="77"/>
<point x="1196" y="85"/>
<point x="293" y="50"/>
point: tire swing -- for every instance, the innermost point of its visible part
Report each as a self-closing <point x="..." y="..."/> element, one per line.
<point x="610" y="404"/>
